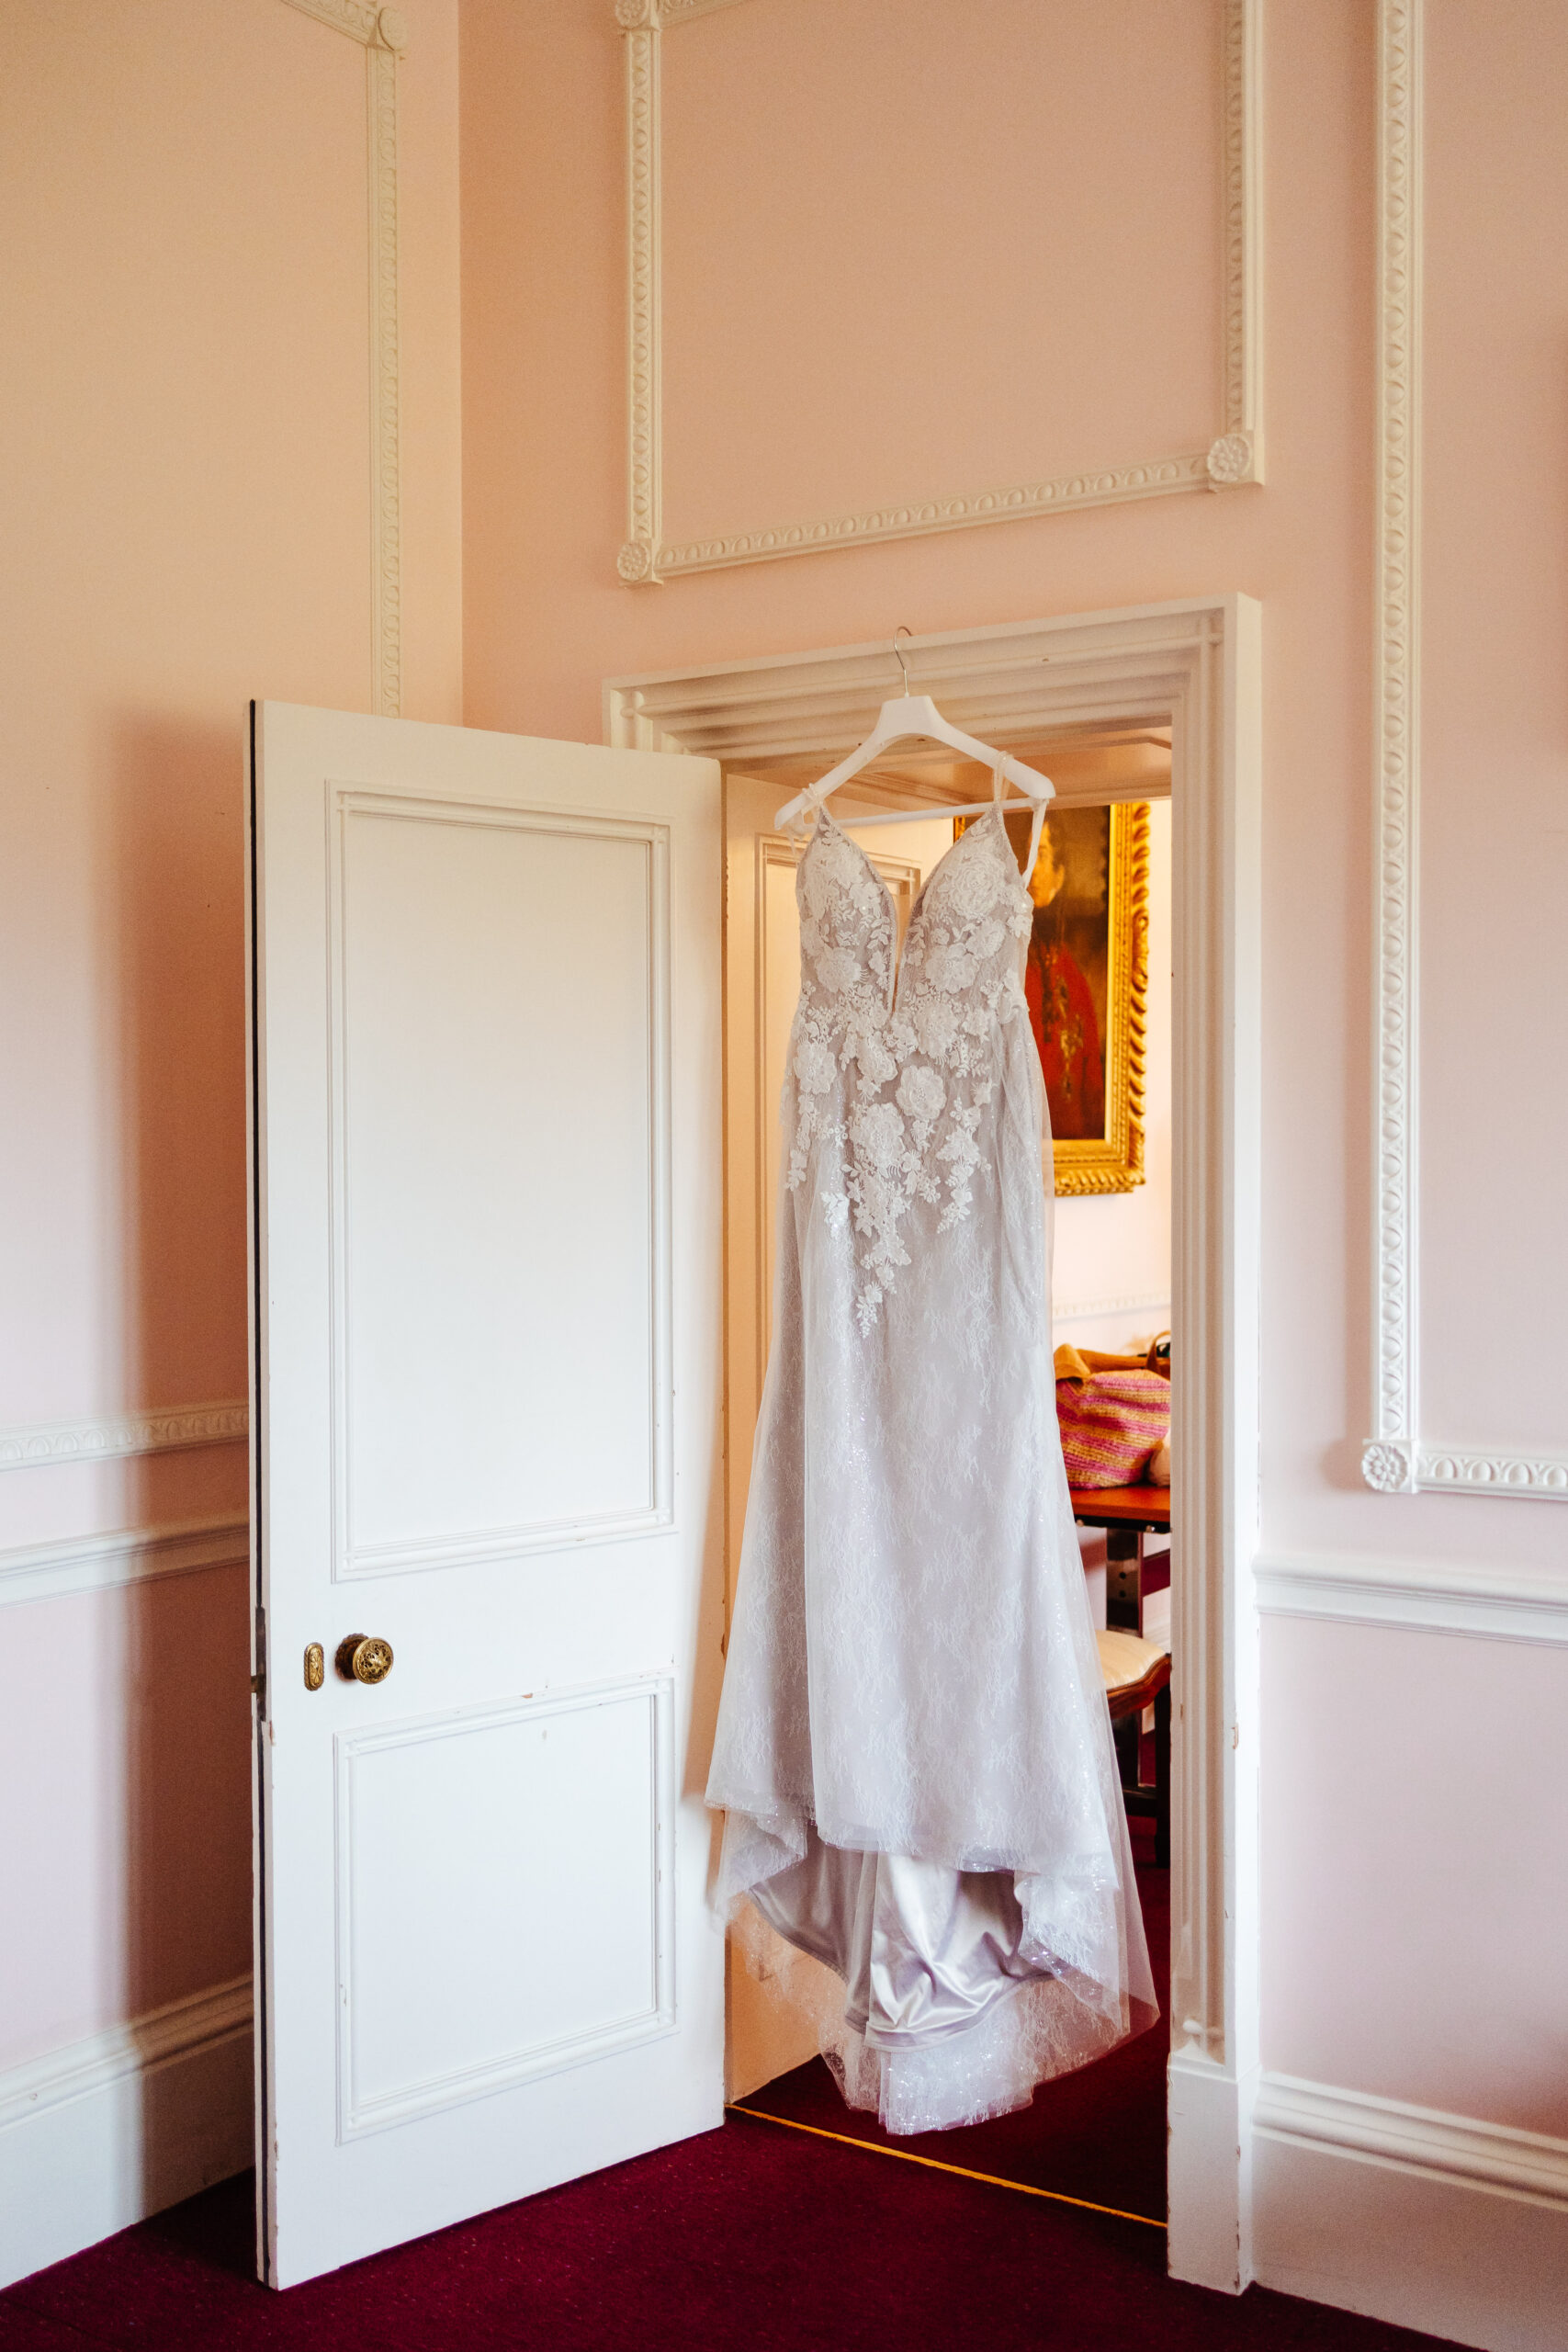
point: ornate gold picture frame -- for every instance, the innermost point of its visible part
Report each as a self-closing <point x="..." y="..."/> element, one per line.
<point x="1086" y="977"/>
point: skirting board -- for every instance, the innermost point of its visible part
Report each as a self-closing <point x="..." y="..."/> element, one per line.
<point x="1425" y="2220"/>
<point x="101" y="2134"/>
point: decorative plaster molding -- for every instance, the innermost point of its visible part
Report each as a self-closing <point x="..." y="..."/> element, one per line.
<point x="1494" y="2157"/>
<point x="1424" y="1596"/>
<point x="1397" y="1459"/>
<point x="1234" y="457"/>
<point x="125" y="1555"/>
<point x="644" y="425"/>
<point x="39" y="1445"/>
<point x="1389" y="1464"/>
<point x="383" y="34"/>
<point x="1539" y="1478"/>
<point x="1080" y="1310"/>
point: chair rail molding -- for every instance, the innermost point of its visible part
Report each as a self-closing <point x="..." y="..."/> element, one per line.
<point x="123" y="1556"/>
<point x="1421" y="1595"/>
<point x="1234" y="455"/>
<point x="1397" y="1458"/>
<point x="162" y="1429"/>
<point x="1193" y="665"/>
<point x="383" y="34"/>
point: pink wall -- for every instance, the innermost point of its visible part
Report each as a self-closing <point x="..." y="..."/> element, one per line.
<point x="182" y="218"/>
<point x="1356" y="1827"/>
<point x="186" y="496"/>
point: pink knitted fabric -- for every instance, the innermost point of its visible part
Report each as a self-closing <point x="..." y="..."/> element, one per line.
<point x="1111" y="1425"/>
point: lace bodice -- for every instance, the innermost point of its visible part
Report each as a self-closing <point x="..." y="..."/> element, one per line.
<point x="895" y="1059"/>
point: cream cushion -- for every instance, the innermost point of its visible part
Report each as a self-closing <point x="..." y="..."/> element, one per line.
<point x="1126" y="1659"/>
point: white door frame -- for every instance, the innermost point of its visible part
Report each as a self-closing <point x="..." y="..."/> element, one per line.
<point x="1195" y="665"/>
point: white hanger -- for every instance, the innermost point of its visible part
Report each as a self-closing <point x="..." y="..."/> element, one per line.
<point x="907" y="714"/>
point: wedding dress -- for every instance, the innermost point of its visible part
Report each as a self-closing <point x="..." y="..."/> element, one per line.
<point x="913" y="1748"/>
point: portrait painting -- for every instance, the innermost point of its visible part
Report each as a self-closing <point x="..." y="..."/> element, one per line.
<point x="1085" y="979"/>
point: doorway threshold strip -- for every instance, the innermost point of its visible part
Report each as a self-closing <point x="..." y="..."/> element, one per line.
<point x="934" y="2164"/>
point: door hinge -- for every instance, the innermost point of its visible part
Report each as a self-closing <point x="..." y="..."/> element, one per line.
<point x="258" y="1679"/>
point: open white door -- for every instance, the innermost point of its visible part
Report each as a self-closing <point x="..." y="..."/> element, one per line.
<point x="486" y="1217"/>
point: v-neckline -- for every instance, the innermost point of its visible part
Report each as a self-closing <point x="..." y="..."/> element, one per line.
<point x="895" y="954"/>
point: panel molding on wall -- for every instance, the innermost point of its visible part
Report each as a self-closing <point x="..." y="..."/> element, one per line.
<point x="383" y="34"/>
<point x="99" y="2134"/>
<point x="1397" y="1458"/>
<point x="1234" y="456"/>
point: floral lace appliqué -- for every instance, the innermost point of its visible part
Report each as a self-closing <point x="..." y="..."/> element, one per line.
<point x="895" y="1078"/>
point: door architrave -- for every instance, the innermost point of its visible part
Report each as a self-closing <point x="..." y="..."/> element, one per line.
<point x="1193" y="664"/>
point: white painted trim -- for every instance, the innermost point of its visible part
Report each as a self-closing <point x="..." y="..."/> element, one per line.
<point x="38" y="1445"/>
<point x="124" y="1556"/>
<point x="1423" y="1595"/>
<point x="1496" y="2157"/>
<point x="1234" y="456"/>
<point x="1195" y="665"/>
<point x="1388" y="1462"/>
<point x="110" y="2128"/>
<point x="1396" y="1459"/>
<point x="382" y="33"/>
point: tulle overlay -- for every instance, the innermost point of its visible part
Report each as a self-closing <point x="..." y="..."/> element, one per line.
<point x="913" y="1748"/>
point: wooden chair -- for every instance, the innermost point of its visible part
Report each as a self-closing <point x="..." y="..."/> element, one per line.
<point x="1136" y="1674"/>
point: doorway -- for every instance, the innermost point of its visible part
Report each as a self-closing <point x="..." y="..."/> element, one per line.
<point x="1077" y="695"/>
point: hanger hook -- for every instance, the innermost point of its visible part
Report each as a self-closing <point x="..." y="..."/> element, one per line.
<point x="903" y="629"/>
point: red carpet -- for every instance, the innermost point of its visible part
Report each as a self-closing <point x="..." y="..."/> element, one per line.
<point x="749" y="2239"/>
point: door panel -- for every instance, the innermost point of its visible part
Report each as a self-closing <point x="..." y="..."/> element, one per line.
<point x="485" y="965"/>
<point x="486" y="1217"/>
<point x="443" y="2000"/>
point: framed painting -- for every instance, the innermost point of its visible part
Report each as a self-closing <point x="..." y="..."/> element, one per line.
<point x="1086" y="976"/>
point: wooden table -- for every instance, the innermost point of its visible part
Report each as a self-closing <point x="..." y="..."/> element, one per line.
<point x="1127" y="1515"/>
<point x="1144" y="1510"/>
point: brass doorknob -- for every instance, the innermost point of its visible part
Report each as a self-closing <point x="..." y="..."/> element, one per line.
<point x="364" y="1658"/>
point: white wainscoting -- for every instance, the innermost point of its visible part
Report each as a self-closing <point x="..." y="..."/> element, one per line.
<point x="1425" y="2219"/>
<point x="101" y="2133"/>
<point x="123" y="1556"/>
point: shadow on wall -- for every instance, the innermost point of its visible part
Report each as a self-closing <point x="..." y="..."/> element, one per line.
<point x="170" y="887"/>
